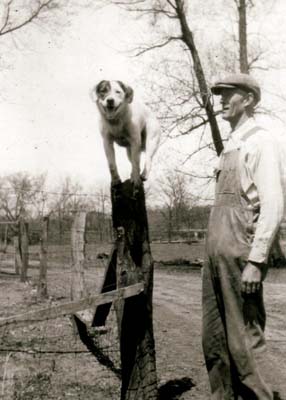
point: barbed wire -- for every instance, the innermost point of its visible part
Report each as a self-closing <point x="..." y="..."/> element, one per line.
<point x="81" y="194"/>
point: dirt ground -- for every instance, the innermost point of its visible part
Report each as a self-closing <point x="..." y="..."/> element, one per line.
<point x="177" y="305"/>
<point x="48" y="361"/>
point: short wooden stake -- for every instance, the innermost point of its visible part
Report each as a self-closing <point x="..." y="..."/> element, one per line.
<point x="17" y="257"/>
<point x="24" y="249"/>
<point x="42" y="289"/>
<point x="78" y="253"/>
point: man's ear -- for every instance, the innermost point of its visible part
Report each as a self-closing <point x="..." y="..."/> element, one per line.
<point x="128" y="91"/>
<point x="250" y="100"/>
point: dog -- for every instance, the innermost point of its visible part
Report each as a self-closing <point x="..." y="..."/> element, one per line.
<point x="129" y="124"/>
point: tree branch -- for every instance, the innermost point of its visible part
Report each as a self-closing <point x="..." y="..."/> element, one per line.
<point x="32" y="17"/>
<point x="159" y="45"/>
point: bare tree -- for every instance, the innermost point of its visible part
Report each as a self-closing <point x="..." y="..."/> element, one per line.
<point x="16" y="14"/>
<point x="64" y="201"/>
<point x="18" y="19"/>
<point x="103" y="201"/>
<point x="176" y="202"/>
<point x="176" y="11"/>
<point x="21" y="196"/>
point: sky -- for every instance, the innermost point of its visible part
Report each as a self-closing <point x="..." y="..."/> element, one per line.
<point x="48" y="121"/>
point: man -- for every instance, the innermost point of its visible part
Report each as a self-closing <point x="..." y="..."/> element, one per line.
<point x="243" y="223"/>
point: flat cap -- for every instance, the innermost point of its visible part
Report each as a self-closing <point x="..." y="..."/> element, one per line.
<point x="242" y="81"/>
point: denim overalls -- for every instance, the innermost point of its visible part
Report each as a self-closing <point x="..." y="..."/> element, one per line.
<point x="233" y="323"/>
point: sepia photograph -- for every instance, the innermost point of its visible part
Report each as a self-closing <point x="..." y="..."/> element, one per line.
<point x="142" y="200"/>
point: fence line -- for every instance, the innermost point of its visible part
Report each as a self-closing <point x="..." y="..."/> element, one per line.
<point x="82" y="304"/>
<point x="81" y="194"/>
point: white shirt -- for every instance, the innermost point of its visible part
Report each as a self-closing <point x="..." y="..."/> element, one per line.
<point x="261" y="182"/>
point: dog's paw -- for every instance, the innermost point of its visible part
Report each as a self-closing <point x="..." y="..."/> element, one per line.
<point x="145" y="173"/>
<point x="136" y="180"/>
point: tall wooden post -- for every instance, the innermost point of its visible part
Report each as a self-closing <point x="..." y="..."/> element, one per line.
<point x="78" y="252"/>
<point x="24" y="249"/>
<point x="42" y="289"/>
<point x="17" y="257"/>
<point x="135" y="264"/>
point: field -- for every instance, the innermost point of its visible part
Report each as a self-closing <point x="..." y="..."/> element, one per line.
<point x="48" y="361"/>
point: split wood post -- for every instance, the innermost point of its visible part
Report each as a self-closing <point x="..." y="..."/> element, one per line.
<point x="108" y="284"/>
<point x="42" y="289"/>
<point x="135" y="264"/>
<point x="78" y="255"/>
<point x="17" y="257"/>
<point x="24" y="249"/>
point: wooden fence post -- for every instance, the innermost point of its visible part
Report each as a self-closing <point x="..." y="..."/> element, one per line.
<point x="24" y="249"/>
<point x="78" y="253"/>
<point x="135" y="264"/>
<point x="17" y="258"/>
<point x="131" y="262"/>
<point x="42" y="288"/>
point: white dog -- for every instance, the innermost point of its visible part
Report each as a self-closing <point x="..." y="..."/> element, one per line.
<point x="128" y="124"/>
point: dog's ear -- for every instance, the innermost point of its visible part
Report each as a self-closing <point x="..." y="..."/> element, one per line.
<point x="128" y="91"/>
<point x="102" y="86"/>
<point x="93" y="94"/>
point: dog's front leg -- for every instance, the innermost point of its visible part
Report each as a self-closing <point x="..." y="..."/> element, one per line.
<point x="133" y="153"/>
<point x="110" y="155"/>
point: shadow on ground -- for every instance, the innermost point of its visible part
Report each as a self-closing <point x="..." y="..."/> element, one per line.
<point x="173" y="389"/>
<point x="277" y="396"/>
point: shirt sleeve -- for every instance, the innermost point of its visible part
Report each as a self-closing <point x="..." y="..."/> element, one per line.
<point x="265" y="169"/>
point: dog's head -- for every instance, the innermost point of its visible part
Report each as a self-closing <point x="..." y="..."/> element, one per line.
<point x="112" y="97"/>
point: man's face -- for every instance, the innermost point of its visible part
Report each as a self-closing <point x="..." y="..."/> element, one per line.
<point x="233" y="103"/>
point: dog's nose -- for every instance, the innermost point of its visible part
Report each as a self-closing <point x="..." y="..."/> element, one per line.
<point x="110" y="102"/>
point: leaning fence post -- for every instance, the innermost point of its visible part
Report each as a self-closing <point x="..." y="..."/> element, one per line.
<point x="24" y="249"/>
<point x="78" y="254"/>
<point x="42" y="289"/>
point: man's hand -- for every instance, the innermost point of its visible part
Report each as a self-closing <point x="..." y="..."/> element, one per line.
<point x="251" y="278"/>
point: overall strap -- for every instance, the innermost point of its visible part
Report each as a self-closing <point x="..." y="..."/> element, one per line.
<point x="251" y="132"/>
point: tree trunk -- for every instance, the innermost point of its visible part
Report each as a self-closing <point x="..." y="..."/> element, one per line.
<point x="242" y="33"/>
<point x="187" y="38"/>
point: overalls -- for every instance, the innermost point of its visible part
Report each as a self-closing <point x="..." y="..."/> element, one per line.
<point x="233" y="323"/>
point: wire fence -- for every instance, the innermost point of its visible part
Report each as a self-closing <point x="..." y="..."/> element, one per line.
<point x="61" y="358"/>
<point x="58" y="358"/>
<point x="47" y="360"/>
